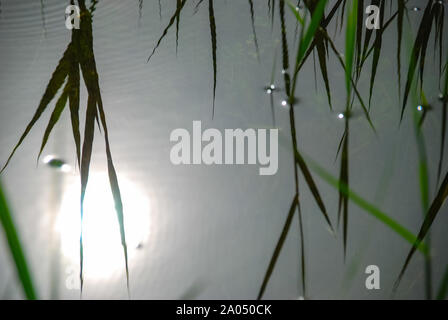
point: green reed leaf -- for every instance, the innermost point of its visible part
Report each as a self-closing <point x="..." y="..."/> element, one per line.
<point x="278" y="247"/>
<point x="376" y="52"/>
<point x="443" y="130"/>
<point x="73" y="93"/>
<point x="443" y="289"/>
<point x="165" y="31"/>
<point x="313" y="188"/>
<point x="89" y="131"/>
<point x="178" y="10"/>
<point x="252" y="17"/>
<point x="15" y="248"/>
<point x="430" y="216"/>
<point x="212" y="22"/>
<point x="60" y="105"/>
<point x="365" y="205"/>
<point x="420" y="42"/>
<point x="56" y="81"/>
<point x="401" y="10"/>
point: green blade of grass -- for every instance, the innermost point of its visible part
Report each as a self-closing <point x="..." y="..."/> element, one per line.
<point x="355" y="89"/>
<point x="443" y="289"/>
<point x="285" y="50"/>
<point x="178" y="10"/>
<point x="369" y="32"/>
<point x="90" y="75"/>
<point x="73" y="94"/>
<point x="313" y="188"/>
<point x="443" y="130"/>
<point x="89" y="131"/>
<point x="56" y="81"/>
<point x="350" y="47"/>
<point x="424" y="185"/>
<point x="212" y="23"/>
<point x="422" y="37"/>
<point x="366" y="205"/>
<point x="165" y="31"/>
<point x="376" y="51"/>
<point x="359" y="29"/>
<point x="311" y="31"/>
<point x="15" y="248"/>
<point x="278" y="247"/>
<point x="60" y="105"/>
<point x="400" y="16"/>
<point x="343" y="182"/>
<point x="252" y="18"/>
<point x="429" y="219"/>
<point x="115" y="188"/>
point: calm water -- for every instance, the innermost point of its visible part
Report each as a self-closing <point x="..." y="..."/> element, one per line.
<point x="199" y="231"/>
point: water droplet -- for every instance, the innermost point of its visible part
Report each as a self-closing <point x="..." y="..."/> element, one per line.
<point x="416" y="9"/>
<point x="341" y="116"/>
<point x="284" y="103"/>
<point x="419" y="108"/>
<point x="56" y="163"/>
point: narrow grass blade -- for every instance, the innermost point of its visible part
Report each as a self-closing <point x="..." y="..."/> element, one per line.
<point x="350" y="47"/>
<point x="90" y="75"/>
<point x="15" y="248"/>
<point x="252" y="17"/>
<point x="311" y="31"/>
<point x="73" y="94"/>
<point x="212" y="22"/>
<point x="401" y="10"/>
<point x="355" y="89"/>
<point x="376" y="51"/>
<point x="366" y="205"/>
<point x="178" y="10"/>
<point x="89" y="131"/>
<point x="443" y="289"/>
<point x="196" y="7"/>
<point x="322" y="53"/>
<point x="278" y="247"/>
<point x="369" y="32"/>
<point x="359" y="28"/>
<point x="113" y="180"/>
<point x="343" y="181"/>
<point x="422" y="37"/>
<point x="312" y="185"/>
<point x="160" y="9"/>
<point x="429" y="219"/>
<point x="165" y="31"/>
<point x="443" y="130"/>
<point x="56" y="81"/>
<point x="285" y="51"/>
<point x="60" y="105"/>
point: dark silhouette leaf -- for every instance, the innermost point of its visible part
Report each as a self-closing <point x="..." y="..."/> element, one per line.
<point x="252" y="17"/>
<point x="56" y="81"/>
<point x="278" y="247"/>
<point x="433" y="211"/>
<point x="211" y="12"/>
<point x="60" y="105"/>
<point x="165" y="31"/>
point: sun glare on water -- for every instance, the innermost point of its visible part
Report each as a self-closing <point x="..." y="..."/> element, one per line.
<point x="103" y="252"/>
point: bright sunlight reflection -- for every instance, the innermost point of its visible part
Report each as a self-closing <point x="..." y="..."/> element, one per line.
<point x="103" y="252"/>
